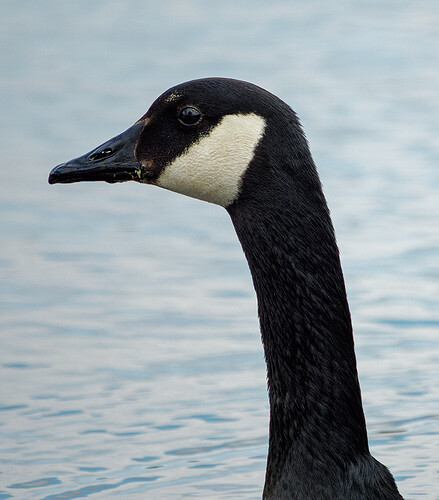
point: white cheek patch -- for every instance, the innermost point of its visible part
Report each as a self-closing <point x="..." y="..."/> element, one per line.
<point x="212" y="168"/>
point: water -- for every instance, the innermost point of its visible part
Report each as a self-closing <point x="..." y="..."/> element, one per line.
<point x="131" y="364"/>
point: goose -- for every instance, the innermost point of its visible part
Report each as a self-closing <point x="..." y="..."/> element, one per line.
<point x="234" y="144"/>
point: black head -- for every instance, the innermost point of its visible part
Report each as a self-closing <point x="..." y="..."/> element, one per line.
<point x="198" y="139"/>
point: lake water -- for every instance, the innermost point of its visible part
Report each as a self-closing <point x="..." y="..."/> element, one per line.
<point x="130" y="359"/>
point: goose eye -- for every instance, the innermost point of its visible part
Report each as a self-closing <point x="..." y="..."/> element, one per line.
<point x="189" y="116"/>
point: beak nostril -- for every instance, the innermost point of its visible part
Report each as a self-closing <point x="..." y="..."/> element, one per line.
<point x="100" y="155"/>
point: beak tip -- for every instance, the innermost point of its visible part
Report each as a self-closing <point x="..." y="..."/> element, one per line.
<point x="54" y="175"/>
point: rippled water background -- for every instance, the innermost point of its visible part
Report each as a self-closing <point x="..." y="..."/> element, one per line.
<point x="130" y="358"/>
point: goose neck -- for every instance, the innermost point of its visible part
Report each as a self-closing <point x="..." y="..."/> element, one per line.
<point x="315" y="400"/>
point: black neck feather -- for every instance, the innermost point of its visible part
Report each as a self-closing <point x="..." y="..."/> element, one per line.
<point x="316" y="417"/>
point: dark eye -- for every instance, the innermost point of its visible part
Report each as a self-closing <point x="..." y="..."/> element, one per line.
<point x="189" y="116"/>
<point x="103" y="153"/>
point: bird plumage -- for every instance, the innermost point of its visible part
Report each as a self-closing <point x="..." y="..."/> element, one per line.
<point x="236" y="145"/>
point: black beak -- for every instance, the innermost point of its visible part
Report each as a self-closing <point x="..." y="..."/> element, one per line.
<point x="113" y="161"/>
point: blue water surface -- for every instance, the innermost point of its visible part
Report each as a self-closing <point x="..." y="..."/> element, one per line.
<point x="130" y="359"/>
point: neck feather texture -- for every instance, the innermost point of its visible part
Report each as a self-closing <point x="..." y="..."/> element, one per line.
<point x="318" y="445"/>
<point x="316" y="417"/>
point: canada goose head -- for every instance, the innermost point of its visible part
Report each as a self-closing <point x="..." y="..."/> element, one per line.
<point x="197" y="139"/>
<point x="234" y="144"/>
